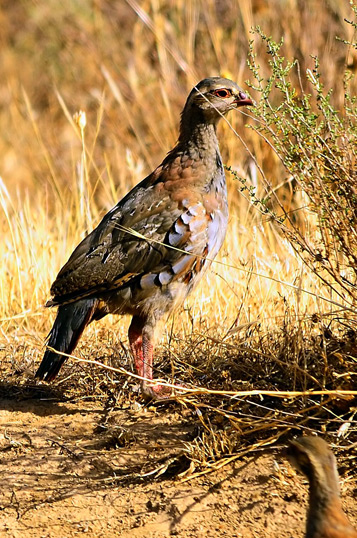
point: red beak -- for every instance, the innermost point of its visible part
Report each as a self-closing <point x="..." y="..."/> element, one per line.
<point x="243" y="100"/>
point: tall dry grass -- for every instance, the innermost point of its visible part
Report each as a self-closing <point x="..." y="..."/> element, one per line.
<point x="129" y="65"/>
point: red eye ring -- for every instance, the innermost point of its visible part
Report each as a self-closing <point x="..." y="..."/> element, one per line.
<point x="222" y="93"/>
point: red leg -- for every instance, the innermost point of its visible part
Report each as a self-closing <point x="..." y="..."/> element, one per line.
<point x="140" y="338"/>
<point x="136" y="343"/>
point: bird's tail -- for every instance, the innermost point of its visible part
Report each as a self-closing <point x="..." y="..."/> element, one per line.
<point x="69" y="324"/>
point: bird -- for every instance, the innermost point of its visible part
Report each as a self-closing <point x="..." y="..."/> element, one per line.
<point x="151" y="249"/>
<point x="325" y="517"/>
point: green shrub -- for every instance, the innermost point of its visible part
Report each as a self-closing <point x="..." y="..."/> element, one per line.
<point x="317" y="146"/>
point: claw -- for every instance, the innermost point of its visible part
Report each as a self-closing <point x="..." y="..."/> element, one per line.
<point x="158" y="392"/>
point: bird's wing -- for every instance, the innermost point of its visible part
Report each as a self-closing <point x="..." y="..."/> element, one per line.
<point x="143" y="234"/>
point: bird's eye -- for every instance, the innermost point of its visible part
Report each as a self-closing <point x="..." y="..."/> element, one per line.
<point x="222" y="93"/>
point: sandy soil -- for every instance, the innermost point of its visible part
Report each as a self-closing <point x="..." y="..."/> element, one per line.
<point x="86" y="467"/>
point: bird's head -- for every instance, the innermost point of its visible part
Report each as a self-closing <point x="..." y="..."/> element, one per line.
<point x="215" y="97"/>
<point x="313" y="457"/>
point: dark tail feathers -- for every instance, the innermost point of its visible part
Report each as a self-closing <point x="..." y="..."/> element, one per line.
<point x="66" y="331"/>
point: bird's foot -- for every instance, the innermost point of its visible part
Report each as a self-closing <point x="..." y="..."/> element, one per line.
<point x="158" y="392"/>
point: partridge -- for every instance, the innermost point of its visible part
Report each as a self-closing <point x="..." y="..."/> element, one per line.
<point x="151" y="249"/>
<point x="325" y="518"/>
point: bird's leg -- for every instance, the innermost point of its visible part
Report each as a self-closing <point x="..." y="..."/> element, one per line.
<point x="136" y="343"/>
<point x="142" y="348"/>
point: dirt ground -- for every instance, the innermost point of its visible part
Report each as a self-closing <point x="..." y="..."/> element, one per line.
<point x="83" y="467"/>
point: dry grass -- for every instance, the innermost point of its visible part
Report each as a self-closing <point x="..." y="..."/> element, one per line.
<point x="261" y="321"/>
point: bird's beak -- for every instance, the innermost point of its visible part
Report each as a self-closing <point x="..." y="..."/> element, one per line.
<point x="242" y="99"/>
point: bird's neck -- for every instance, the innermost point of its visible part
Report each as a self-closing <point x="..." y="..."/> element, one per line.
<point x="198" y="132"/>
<point x="324" y="493"/>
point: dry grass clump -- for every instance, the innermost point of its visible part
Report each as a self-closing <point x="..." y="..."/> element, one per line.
<point x="277" y="313"/>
